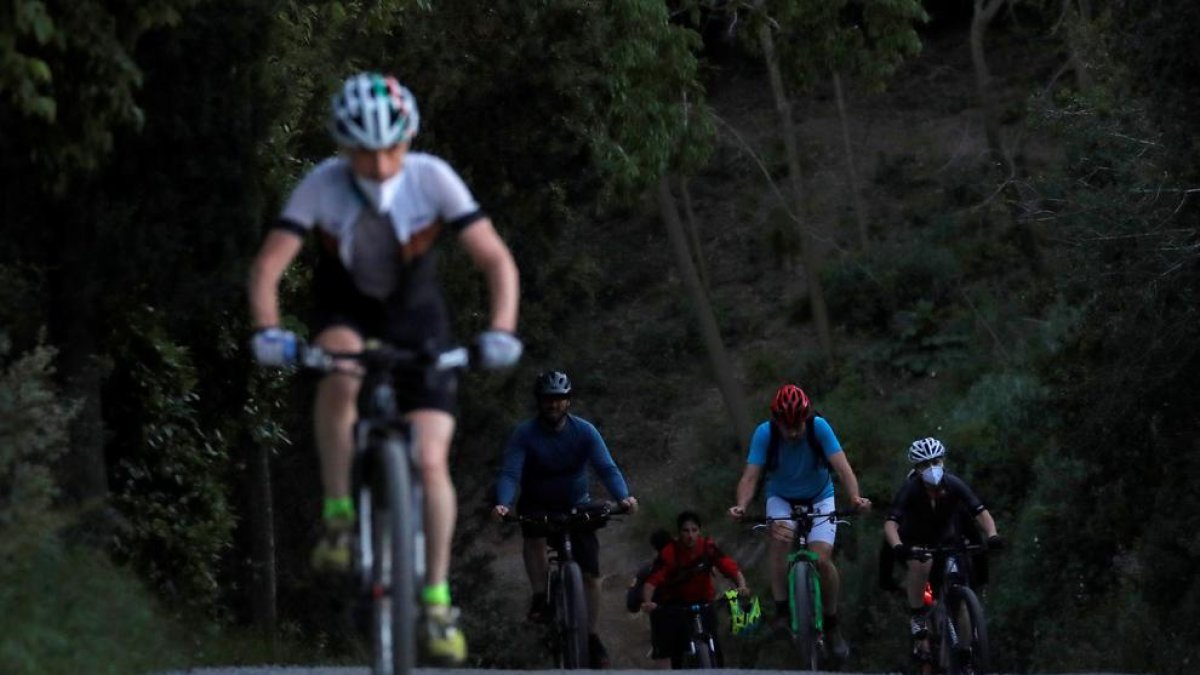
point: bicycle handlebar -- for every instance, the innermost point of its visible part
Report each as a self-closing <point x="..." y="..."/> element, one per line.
<point x="929" y="551"/>
<point x="380" y="356"/>
<point x="579" y="515"/>
<point x="812" y="517"/>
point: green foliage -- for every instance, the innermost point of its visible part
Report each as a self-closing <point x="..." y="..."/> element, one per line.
<point x="69" y="610"/>
<point x="33" y="435"/>
<point x="169" y="474"/>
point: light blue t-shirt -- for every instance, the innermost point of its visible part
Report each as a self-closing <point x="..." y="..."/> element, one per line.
<point x="798" y="475"/>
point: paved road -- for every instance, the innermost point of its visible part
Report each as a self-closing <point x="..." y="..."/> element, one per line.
<point x="297" y="670"/>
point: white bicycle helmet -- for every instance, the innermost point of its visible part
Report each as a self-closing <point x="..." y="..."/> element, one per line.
<point x="373" y="111"/>
<point x="925" y="449"/>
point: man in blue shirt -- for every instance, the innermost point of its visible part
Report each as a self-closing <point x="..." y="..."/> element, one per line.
<point x="547" y="459"/>
<point x="798" y="452"/>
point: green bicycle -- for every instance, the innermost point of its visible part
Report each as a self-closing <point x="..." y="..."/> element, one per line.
<point x="806" y="610"/>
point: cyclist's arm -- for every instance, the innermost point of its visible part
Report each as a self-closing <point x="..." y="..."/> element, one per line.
<point x="277" y="252"/>
<point x="604" y="466"/>
<point x="891" y="532"/>
<point x="491" y="255"/>
<point x="748" y="485"/>
<point x="845" y="474"/>
<point x="986" y="523"/>
<point x="512" y="467"/>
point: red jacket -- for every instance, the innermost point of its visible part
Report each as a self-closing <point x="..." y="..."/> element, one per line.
<point x="684" y="576"/>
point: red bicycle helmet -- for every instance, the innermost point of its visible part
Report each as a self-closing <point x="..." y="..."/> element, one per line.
<point x="790" y="406"/>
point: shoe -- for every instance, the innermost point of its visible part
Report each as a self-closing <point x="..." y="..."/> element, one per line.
<point x="539" y="609"/>
<point x="918" y="626"/>
<point x="597" y="654"/>
<point x="334" y="549"/>
<point x="443" y="643"/>
<point x="837" y="644"/>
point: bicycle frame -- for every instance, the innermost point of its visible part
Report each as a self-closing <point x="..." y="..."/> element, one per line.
<point x="389" y="498"/>
<point x="955" y="608"/>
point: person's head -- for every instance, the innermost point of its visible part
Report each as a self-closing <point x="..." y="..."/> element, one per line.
<point x="659" y="539"/>
<point x="688" y="523"/>
<point x="790" y="410"/>
<point x="373" y="118"/>
<point x="552" y="391"/>
<point x="927" y="456"/>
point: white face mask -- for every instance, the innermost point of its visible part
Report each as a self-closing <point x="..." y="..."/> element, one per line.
<point x="932" y="475"/>
<point x="381" y="194"/>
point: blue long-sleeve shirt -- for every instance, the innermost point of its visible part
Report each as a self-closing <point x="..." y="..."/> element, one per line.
<point x="550" y="467"/>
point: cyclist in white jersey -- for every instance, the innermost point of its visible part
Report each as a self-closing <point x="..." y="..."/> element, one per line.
<point x="378" y="211"/>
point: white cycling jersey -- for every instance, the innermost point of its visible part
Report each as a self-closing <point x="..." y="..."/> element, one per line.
<point x="374" y="247"/>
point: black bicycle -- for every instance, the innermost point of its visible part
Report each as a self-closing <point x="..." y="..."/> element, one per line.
<point x="957" y="643"/>
<point x="700" y="652"/>
<point x="806" y="610"/>
<point x="389" y="502"/>
<point x="564" y="584"/>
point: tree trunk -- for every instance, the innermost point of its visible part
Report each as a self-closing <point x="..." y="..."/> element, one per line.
<point x="985" y="11"/>
<point x="74" y="326"/>
<point x="860" y="211"/>
<point x="1078" y="26"/>
<point x="262" y="532"/>
<point x="693" y="232"/>
<point x="807" y="244"/>
<point x="735" y="402"/>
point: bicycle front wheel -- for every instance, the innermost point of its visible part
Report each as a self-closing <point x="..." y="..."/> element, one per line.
<point x="574" y="619"/>
<point x="805" y="603"/>
<point x="393" y="575"/>
<point x="705" y="659"/>
<point x="970" y="656"/>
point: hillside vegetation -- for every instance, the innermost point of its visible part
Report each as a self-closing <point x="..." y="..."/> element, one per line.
<point x="1018" y="279"/>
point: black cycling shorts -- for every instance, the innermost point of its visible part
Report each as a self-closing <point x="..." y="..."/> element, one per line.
<point x="420" y="323"/>
<point x="585" y="546"/>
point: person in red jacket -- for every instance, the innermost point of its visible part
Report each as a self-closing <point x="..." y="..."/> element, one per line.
<point x="684" y="576"/>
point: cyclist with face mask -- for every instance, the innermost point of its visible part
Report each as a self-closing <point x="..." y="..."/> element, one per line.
<point x="378" y="210"/>
<point x="929" y="510"/>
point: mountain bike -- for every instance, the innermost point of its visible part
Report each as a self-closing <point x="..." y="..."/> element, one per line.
<point x="390" y="547"/>
<point x="957" y="625"/>
<point x="564" y="584"/>
<point x="805" y="610"/>
<point x="700" y="651"/>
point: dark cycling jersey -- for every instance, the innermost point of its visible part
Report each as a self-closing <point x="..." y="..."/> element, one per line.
<point x="928" y="520"/>
<point x="550" y="466"/>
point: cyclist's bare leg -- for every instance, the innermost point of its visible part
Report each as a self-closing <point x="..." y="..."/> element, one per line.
<point x="536" y="567"/>
<point x="591" y="586"/>
<point x="433" y="430"/>
<point x="334" y="414"/>
<point x="915" y="579"/>
<point x="777" y="552"/>
<point x="830" y="579"/>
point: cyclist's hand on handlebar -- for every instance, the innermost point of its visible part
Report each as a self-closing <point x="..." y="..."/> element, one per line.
<point x="275" y="346"/>
<point x="499" y="511"/>
<point x="737" y="512"/>
<point x="996" y="543"/>
<point x="904" y="551"/>
<point x="862" y="504"/>
<point x="743" y="591"/>
<point x="496" y="349"/>
<point x="630" y="503"/>
<point x="648" y="606"/>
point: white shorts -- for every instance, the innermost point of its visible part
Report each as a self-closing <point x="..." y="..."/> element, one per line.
<point x="824" y="529"/>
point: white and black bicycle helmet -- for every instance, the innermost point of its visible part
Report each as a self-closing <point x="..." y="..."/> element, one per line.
<point x="552" y="383"/>
<point x="373" y="111"/>
<point x="925" y="449"/>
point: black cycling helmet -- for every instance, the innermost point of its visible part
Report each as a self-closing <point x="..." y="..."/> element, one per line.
<point x="552" y="383"/>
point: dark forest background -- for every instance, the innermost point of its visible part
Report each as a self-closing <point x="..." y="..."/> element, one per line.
<point x="700" y="211"/>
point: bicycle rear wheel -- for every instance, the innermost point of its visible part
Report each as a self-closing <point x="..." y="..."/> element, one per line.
<point x="393" y="577"/>
<point x="804" y="611"/>
<point x="971" y="655"/>
<point x="574" y="619"/>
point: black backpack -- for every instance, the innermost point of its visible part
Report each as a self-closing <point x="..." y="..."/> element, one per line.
<point x="810" y="434"/>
